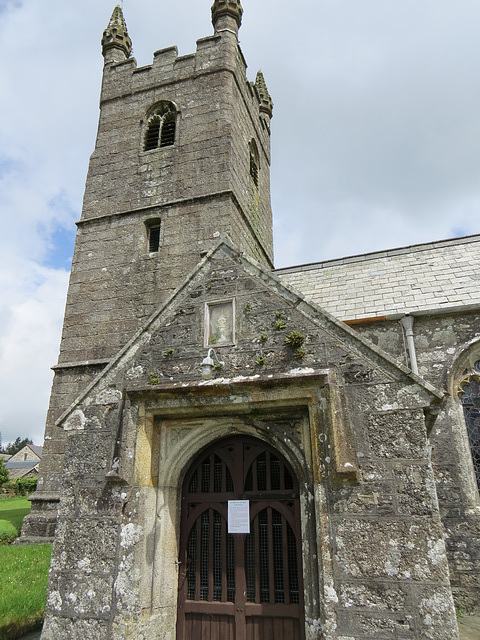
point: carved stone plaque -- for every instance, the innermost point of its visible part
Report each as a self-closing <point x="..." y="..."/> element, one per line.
<point x="219" y="323"/>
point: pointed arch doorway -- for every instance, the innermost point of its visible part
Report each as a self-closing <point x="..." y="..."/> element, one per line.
<point x="246" y="586"/>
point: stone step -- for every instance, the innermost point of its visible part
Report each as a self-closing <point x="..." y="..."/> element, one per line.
<point x="469" y="627"/>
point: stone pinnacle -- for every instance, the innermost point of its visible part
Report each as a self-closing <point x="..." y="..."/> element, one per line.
<point x="232" y="8"/>
<point x="116" y="35"/>
<point x="266" y="104"/>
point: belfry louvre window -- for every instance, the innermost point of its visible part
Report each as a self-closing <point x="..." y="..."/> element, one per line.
<point x="471" y="409"/>
<point x="161" y="126"/>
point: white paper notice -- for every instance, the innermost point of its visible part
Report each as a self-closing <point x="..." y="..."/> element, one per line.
<point x="238" y="516"/>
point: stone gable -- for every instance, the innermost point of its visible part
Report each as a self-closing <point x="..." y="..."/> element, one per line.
<point x="348" y="419"/>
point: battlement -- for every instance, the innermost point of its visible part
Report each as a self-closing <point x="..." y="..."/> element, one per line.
<point x="214" y="54"/>
<point x="167" y="68"/>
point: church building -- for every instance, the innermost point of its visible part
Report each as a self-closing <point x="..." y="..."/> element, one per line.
<point x="237" y="452"/>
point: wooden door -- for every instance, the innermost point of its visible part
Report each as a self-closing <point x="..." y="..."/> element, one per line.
<point x="240" y="586"/>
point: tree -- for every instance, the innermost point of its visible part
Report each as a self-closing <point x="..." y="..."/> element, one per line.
<point x="3" y="472"/>
<point x="14" y="447"/>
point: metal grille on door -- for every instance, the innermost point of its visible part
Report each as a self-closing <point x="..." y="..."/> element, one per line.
<point x="240" y="586"/>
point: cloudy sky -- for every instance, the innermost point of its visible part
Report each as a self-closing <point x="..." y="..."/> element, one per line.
<point x="376" y="141"/>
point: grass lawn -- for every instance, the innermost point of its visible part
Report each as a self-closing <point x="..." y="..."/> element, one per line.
<point x="23" y="588"/>
<point x="12" y="512"/>
<point x="23" y="574"/>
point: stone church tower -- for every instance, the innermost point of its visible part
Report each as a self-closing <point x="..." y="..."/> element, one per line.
<point x="182" y="156"/>
<point x="228" y="453"/>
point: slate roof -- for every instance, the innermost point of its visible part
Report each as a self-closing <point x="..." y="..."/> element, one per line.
<point x="435" y="276"/>
<point x="25" y="464"/>
<point x="19" y="469"/>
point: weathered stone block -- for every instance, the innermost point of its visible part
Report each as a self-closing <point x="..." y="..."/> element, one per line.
<point x="397" y="434"/>
<point x="436" y="620"/>
<point x="405" y="550"/>
<point x="89" y="545"/>
<point x="76" y="629"/>
<point x="78" y="595"/>
<point x="388" y="596"/>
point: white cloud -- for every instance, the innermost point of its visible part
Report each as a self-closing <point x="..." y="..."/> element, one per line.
<point x="31" y="323"/>
<point x="375" y="137"/>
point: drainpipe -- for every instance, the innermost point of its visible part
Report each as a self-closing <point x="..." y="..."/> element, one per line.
<point x="407" y="324"/>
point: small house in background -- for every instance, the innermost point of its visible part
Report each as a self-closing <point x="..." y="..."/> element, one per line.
<point x="24" y="464"/>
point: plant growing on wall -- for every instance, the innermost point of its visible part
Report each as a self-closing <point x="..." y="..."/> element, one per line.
<point x="153" y="378"/>
<point x="261" y="360"/>
<point x="295" y="341"/>
<point x="279" y="324"/>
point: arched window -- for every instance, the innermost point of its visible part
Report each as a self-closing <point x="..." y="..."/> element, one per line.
<point x="254" y="162"/>
<point x="471" y="408"/>
<point x="161" y="125"/>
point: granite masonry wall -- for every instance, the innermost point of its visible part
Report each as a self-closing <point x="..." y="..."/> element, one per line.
<point x="441" y="341"/>
<point x="373" y="553"/>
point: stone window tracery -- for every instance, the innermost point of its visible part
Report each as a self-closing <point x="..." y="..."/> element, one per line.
<point x="161" y="126"/>
<point x="470" y="396"/>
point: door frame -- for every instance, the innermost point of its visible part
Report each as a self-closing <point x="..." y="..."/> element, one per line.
<point x="238" y="454"/>
<point x="170" y="431"/>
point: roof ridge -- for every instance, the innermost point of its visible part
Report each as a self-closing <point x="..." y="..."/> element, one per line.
<point x="373" y="255"/>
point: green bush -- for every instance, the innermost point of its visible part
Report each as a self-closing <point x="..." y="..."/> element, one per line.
<point x="3" y="472"/>
<point x="7" y="538"/>
<point x="24" y="486"/>
<point x="12" y="513"/>
<point x="19" y="487"/>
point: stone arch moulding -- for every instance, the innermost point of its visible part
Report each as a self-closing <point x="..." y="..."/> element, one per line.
<point x="463" y="369"/>
<point x="463" y="372"/>
<point x="171" y="433"/>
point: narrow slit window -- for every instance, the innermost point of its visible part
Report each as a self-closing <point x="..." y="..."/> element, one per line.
<point x="254" y="170"/>
<point x="254" y="163"/>
<point x="153" y="238"/>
